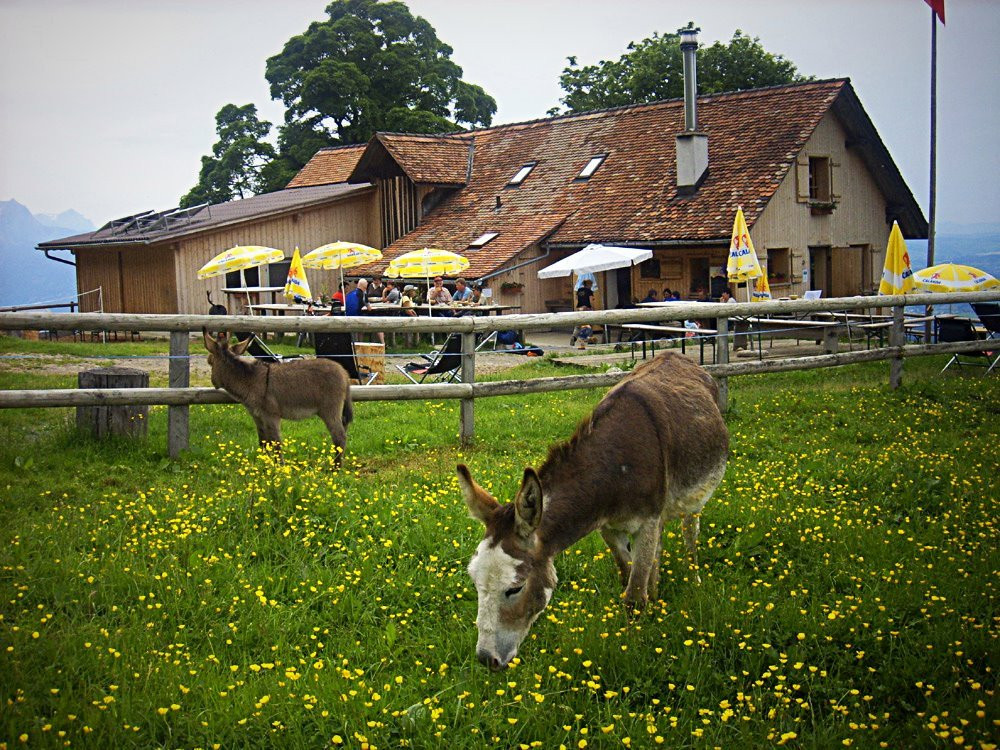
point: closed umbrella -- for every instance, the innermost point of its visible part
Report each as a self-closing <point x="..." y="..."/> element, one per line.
<point x="897" y="276"/>
<point x="297" y="285"/>
<point x="742" y="264"/>
<point x="426" y="262"/>
<point x="761" y="289"/>
<point x="340" y="255"/>
<point x="953" y="277"/>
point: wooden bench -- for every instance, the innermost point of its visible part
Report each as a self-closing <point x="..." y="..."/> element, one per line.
<point x="818" y="330"/>
<point x="702" y="334"/>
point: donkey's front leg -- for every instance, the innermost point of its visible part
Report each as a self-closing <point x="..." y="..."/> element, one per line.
<point x="644" y="546"/>
<point x="617" y="542"/>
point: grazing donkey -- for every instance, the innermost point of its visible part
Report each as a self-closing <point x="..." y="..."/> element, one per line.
<point x="295" y="389"/>
<point x="654" y="448"/>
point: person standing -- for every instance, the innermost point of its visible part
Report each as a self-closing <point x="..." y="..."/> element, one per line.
<point x="585" y="295"/>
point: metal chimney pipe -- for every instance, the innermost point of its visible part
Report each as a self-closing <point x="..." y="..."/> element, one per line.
<point x="689" y="45"/>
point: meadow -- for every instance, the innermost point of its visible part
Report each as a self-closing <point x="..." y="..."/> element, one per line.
<point x="849" y="593"/>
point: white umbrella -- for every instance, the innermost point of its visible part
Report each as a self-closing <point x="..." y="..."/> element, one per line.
<point x="596" y="258"/>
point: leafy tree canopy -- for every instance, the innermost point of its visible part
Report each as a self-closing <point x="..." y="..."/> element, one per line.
<point x="373" y="66"/>
<point x="235" y="168"/>
<point x="653" y="69"/>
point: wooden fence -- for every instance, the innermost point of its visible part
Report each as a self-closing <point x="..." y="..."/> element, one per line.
<point x="179" y="396"/>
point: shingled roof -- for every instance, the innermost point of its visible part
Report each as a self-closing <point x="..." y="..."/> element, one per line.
<point x="754" y="138"/>
<point x="328" y="165"/>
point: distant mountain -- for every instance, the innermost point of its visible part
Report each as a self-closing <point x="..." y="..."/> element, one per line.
<point x="70" y="219"/>
<point x="979" y="248"/>
<point x="26" y="275"/>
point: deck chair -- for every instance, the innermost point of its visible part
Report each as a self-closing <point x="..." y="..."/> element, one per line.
<point x="257" y="348"/>
<point x="989" y="315"/>
<point x="339" y="346"/>
<point x="952" y="330"/>
<point x="445" y="365"/>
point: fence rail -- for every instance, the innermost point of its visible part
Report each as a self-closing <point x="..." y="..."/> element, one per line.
<point x="179" y="397"/>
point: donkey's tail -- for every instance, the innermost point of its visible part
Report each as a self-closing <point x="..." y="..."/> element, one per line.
<point x="347" y="415"/>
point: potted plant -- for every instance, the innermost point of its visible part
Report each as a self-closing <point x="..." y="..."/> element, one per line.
<point x="512" y="287"/>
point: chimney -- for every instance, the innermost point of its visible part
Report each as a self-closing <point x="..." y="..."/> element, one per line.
<point x="692" y="146"/>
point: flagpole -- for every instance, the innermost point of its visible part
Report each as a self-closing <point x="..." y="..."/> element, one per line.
<point x="932" y="203"/>
<point x="932" y="193"/>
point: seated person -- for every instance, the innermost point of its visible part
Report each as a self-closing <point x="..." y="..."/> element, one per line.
<point x="439" y="294"/>
<point x="651" y="296"/>
<point x="340" y="295"/>
<point x="462" y="291"/>
<point x="477" y="294"/>
<point x="390" y="293"/>
<point x="408" y="299"/>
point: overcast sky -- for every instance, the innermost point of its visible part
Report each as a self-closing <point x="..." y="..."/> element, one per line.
<point x="106" y="106"/>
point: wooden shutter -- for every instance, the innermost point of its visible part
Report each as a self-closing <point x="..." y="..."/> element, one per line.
<point x="802" y="178"/>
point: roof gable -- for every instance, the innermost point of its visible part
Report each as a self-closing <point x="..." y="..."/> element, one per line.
<point x="328" y="166"/>
<point x="425" y="159"/>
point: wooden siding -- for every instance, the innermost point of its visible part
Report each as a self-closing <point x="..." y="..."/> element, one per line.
<point x="400" y="210"/>
<point x="856" y="226"/>
<point x="353" y="220"/>
<point x="132" y="279"/>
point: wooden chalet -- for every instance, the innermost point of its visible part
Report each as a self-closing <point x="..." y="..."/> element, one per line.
<point x="817" y="185"/>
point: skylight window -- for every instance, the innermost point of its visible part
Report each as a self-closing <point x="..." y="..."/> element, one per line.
<point x="522" y="174"/>
<point x="482" y="240"/>
<point x="591" y="167"/>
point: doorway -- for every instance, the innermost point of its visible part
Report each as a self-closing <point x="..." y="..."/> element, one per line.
<point x="621" y="289"/>
<point x="820" y="270"/>
<point x="699" y="277"/>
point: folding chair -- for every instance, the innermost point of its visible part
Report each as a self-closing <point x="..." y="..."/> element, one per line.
<point x="989" y="315"/>
<point x="444" y="365"/>
<point x="952" y="330"/>
<point x="339" y="346"/>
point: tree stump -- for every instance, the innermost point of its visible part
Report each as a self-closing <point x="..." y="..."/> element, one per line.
<point x="123" y="420"/>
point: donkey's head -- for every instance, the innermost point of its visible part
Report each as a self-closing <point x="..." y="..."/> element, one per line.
<point x="220" y="352"/>
<point x="514" y="579"/>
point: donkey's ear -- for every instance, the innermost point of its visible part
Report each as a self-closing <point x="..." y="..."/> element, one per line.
<point x="481" y="503"/>
<point x="209" y="341"/>
<point x="241" y="346"/>
<point x="528" y="504"/>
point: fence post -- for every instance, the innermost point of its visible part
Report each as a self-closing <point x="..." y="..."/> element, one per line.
<point x="897" y="337"/>
<point x="722" y="358"/>
<point x="467" y="405"/>
<point x="179" y="376"/>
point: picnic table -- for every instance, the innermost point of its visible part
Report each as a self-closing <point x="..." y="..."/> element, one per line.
<point x="702" y="334"/>
<point x="791" y="328"/>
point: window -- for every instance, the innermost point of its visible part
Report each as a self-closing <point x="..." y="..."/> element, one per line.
<point x="649" y="269"/>
<point x="778" y="265"/>
<point x="591" y="167"/>
<point x="482" y="240"/>
<point x="522" y="174"/>
<point x="819" y="179"/>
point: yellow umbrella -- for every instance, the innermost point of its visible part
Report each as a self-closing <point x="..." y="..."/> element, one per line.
<point x="426" y="262"/>
<point x="761" y="289"/>
<point x="239" y="258"/>
<point x="340" y="255"/>
<point x="897" y="276"/>
<point x="742" y="264"/>
<point x="952" y="277"/>
<point x="297" y="285"/>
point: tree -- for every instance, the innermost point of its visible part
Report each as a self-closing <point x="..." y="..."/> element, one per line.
<point x="653" y="69"/>
<point x="236" y="167"/>
<point x="372" y="66"/>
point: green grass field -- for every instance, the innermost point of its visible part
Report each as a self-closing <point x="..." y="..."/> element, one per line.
<point x="849" y="596"/>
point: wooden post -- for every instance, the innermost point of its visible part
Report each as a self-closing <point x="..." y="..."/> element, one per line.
<point x="179" y="369"/>
<point x="897" y="337"/>
<point x="722" y="358"/>
<point x="123" y="420"/>
<point x="468" y="405"/>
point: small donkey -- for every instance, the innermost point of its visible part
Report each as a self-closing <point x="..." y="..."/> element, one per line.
<point x="654" y="448"/>
<point x="295" y="389"/>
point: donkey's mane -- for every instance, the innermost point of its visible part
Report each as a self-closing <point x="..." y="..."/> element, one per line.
<point x="561" y="453"/>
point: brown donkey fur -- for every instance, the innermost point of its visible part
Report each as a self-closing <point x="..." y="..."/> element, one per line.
<point x="295" y="389"/>
<point x="655" y="448"/>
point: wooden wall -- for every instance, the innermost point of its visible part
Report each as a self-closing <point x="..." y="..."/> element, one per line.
<point x="856" y="227"/>
<point x="132" y="278"/>
<point x="351" y="220"/>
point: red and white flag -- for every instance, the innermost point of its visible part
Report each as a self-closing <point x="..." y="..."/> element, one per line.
<point x="938" y="7"/>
